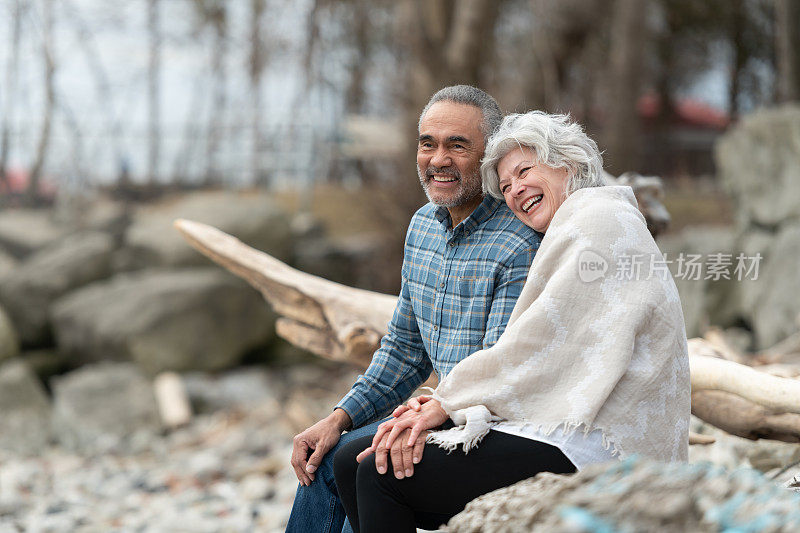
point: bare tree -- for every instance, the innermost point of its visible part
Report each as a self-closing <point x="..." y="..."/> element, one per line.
<point x="154" y="89"/>
<point x="787" y="49"/>
<point x="191" y="131"/>
<point x="105" y="95"/>
<point x="77" y="178"/>
<point x="737" y="23"/>
<point x="559" y="36"/>
<point x="447" y="42"/>
<point x="626" y="61"/>
<point x="361" y="45"/>
<point x="360" y="37"/>
<point x="49" y="104"/>
<point x="444" y="43"/>
<point x="214" y="15"/>
<point x="256" y="69"/>
<point x="12" y="69"/>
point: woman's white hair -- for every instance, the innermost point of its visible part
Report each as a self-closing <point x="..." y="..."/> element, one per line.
<point x="557" y="141"/>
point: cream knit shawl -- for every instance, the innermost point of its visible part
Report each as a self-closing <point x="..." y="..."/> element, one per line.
<point x="580" y="353"/>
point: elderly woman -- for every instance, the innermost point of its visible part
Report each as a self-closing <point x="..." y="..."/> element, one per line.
<point x="592" y="366"/>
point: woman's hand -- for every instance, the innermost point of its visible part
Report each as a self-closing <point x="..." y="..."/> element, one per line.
<point x="403" y="458"/>
<point x="421" y="413"/>
<point x="413" y="403"/>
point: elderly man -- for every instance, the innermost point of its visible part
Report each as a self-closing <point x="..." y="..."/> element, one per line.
<point x="465" y="262"/>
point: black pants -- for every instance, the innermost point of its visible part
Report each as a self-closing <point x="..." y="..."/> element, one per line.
<point x="442" y="483"/>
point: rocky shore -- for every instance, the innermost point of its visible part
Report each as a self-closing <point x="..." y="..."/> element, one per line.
<point x="227" y="470"/>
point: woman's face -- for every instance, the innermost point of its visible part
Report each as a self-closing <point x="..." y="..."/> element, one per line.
<point x="533" y="191"/>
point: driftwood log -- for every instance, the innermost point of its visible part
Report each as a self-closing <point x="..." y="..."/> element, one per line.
<point x="323" y="317"/>
<point x="346" y="324"/>
<point x="744" y="418"/>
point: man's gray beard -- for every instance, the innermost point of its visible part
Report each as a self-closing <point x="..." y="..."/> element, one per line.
<point x="464" y="195"/>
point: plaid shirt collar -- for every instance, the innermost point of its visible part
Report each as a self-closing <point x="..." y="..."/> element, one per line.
<point x="481" y="213"/>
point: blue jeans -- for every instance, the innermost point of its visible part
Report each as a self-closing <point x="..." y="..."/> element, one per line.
<point x="317" y="508"/>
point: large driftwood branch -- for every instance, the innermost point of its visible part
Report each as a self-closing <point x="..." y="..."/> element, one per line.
<point x="346" y="324"/>
<point x="722" y="348"/>
<point x="326" y="318"/>
<point x="771" y="392"/>
<point x="786" y="351"/>
<point x="741" y="417"/>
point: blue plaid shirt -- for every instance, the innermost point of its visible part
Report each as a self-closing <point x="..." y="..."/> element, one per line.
<point x="459" y="287"/>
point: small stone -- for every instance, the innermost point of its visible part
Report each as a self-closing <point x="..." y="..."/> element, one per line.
<point x="256" y="487"/>
<point x="25" y="408"/>
<point x="206" y="466"/>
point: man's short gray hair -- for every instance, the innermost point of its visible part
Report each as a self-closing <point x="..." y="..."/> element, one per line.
<point x="557" y="141"/>
<point x="469" y="95"/>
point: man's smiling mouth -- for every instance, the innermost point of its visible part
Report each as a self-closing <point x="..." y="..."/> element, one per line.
<point x="444" y="179"/>
<point x="532" y="201"/>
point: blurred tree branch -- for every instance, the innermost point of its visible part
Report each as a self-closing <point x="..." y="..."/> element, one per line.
<point x="154" y="89"/>
<point x="213" y="14"/>
<point x="12" y="72"/>
<point x="255" y="70"/>
<point x="626" y="61"/>
<point x="32" y="194"/>
<point x="787" y="49"/>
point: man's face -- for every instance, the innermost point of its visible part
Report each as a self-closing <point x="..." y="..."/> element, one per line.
<point x="449" y="153"/>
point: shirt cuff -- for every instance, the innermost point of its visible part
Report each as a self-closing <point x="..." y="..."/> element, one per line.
<point x="357" y="407"/>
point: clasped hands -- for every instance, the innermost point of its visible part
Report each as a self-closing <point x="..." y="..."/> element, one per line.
<point x="403" y="437"/>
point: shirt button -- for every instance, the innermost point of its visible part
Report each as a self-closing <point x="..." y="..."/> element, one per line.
<point x="441" y="285"/>
<point x="452" y="244"/>
<point x="435" y="328"/>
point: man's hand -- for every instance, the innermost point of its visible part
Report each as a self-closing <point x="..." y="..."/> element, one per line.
<point x="320" y="437"/>
<point x="403" y="437"/>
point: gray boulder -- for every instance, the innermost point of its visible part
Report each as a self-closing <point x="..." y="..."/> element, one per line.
<point x="758" y="162"/>
<point x="180" y="320"/>
<point x="45" y="363"/>
<point x="341" y="260"/>
<point x="704" y="302"/>
<point x="253" y="218"/>
<point x="636" y="495"/>
<point x="7" y="263"/>
<point x="103" y="407"/>
<point x="775" y="303"/>
<point x="9" y="343"/>
<point x="28" y="291"/>
<point x="752" y="242"/>
<point x="93" y="213"/>
<point x="238" y="388"/>
<point x="764" y="299"/>
<point x="22" y="231"/>
<point x="25" y="408"/>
